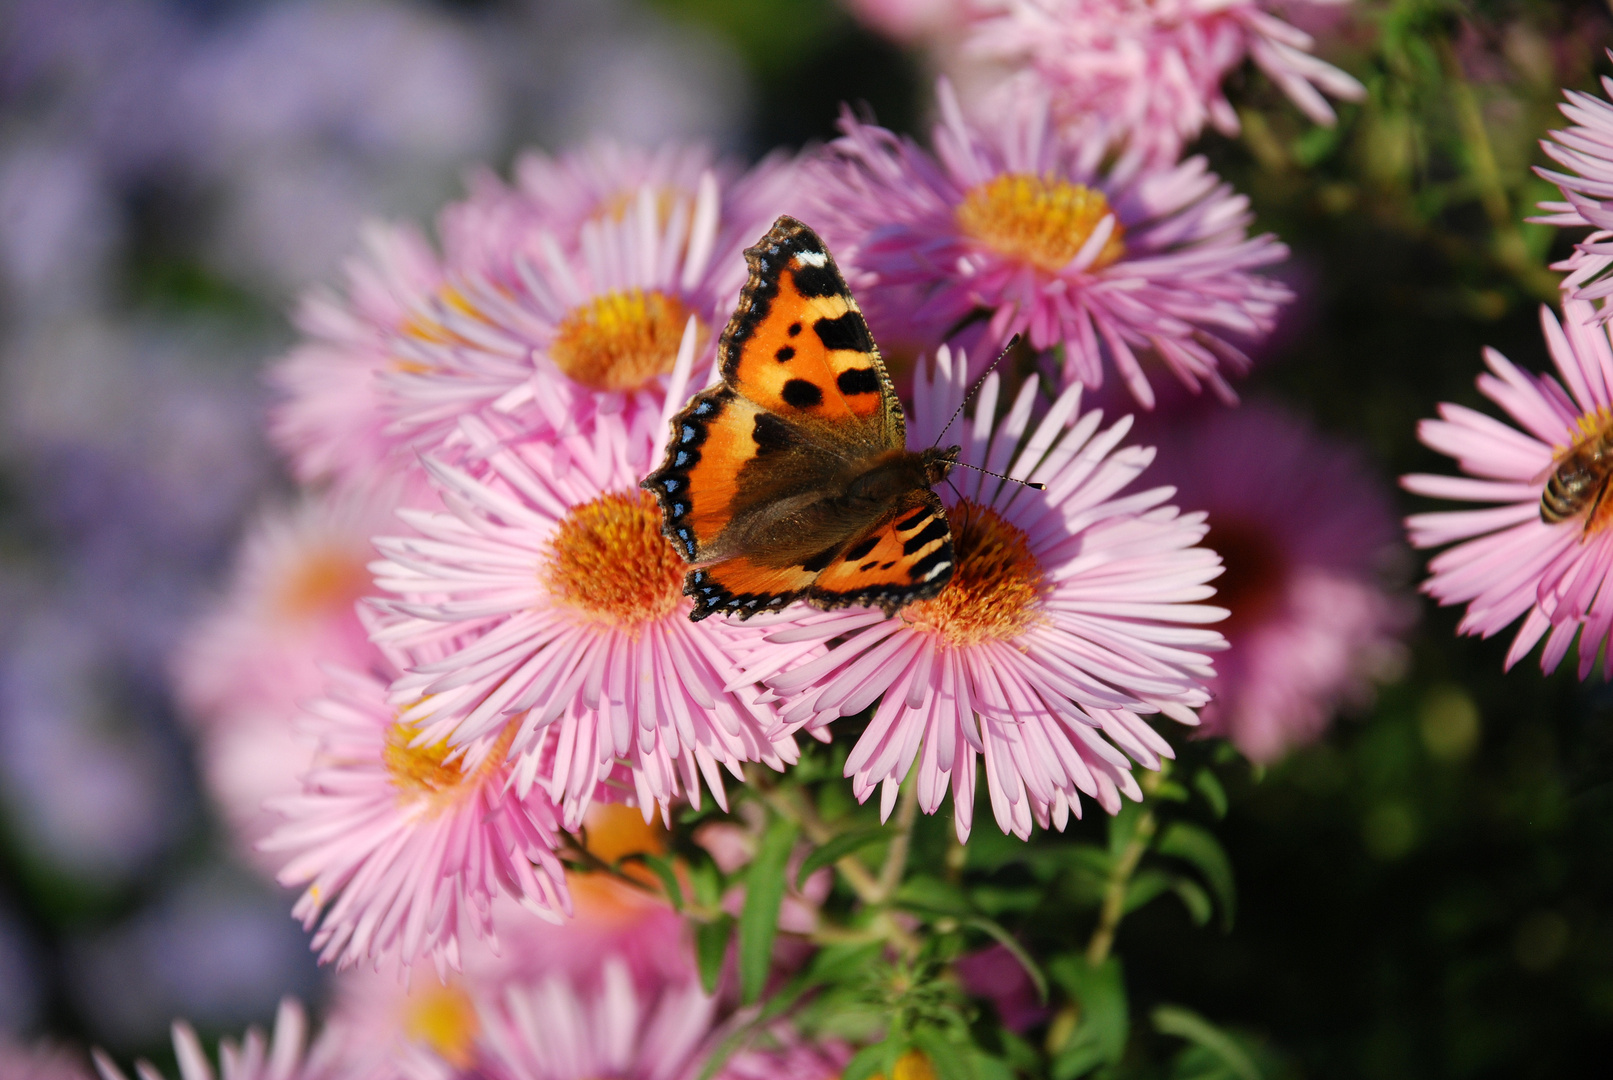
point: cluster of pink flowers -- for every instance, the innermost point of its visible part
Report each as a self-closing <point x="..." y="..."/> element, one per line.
<point x="467" y="654"/>
<point x="1540" y="550"/>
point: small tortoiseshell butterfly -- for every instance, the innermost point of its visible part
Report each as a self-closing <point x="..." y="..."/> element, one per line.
<point x="792" y="480"/>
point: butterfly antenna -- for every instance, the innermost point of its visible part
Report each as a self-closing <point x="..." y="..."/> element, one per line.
<point x="970" y="395"/>
<point x="1011" y="479"/>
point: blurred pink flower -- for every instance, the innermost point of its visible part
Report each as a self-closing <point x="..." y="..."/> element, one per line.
<point x="996" y="974"/>
<point x="911" y="21"/>
<point x="1509" y="561"/>
<point x="787" y="1057"/>
<point x="1586" y="150"/>
<point x="1071" y="615"/>
<point x="403" y="842"/>
<point x="287" y="1056"/>
<point x="288" y="608"/>
<point x="245" y="669"/>
<point x="554" y="1030"/>
<point x="334" y="420"/>
<point x="1024" y="227"/>
<point x="550" y="304"/>
<point x="40" y="1062"/>
<point x="548" y="603"/>
<point x="1304" y="531"/>
<point x="1150" y="73"/>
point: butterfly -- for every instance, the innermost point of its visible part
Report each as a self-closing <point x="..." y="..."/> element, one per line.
<point x="792" y="479"/>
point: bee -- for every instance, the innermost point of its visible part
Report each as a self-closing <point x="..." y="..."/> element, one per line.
<point x="1579" y="480"/>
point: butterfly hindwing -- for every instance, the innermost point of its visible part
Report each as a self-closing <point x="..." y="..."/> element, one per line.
<point x="798" y="345"/>
<point x="908" y="557"/>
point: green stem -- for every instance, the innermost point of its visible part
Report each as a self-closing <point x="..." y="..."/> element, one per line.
<point x="1114" y="893"/>
<point x="907" y="810"/>
<point x="1509" y="246"/>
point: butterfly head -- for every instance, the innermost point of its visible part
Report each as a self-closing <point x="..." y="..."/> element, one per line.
<point x="938" y="462"/>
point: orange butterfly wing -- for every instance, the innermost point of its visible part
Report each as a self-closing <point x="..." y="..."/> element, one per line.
<point x="753" y="482"/>
<point x="798" y="346"/>
<point x="905" y="559"/>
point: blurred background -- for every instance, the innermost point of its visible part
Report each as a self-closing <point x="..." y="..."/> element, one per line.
<point x="1425" y="892"/>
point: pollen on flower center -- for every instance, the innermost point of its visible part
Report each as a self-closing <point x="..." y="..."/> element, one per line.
<point x="996" y="589"/>
<point x="444" y="1018"/>
<point x="1039" y="219"/>
<point x="325" y="581"/>
<point x="621" y="340"/>
<point x="426" y="770"/>
<point x="609" y="559"/>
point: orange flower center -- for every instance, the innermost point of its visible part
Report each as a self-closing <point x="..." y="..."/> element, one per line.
<point x="996" y="588"/>
<point x="913" y="1065"/>
<point x="425" y="771"/>
<point x="443" y="1018"/>
<point x="1039" y="219"/>
<point x="621" y="340"/>
<point x="609" y="559"/>
<point x="326" y="581"/>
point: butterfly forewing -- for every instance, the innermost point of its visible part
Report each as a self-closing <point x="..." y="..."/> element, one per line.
<point x="798" y="345"/>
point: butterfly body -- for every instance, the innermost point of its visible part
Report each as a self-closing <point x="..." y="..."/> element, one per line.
<point x="792" y="480"/>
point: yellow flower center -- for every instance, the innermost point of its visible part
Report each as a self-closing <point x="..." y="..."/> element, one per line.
<point x="996" y="588"/>
<point x="609" y="559"/>
<point x="913" y="1065"/>
<point x="326" y="581"/>
<point x="621" y="340"/>
<point x="426" y="772"/>
<point x="443" y="1018"/>
<point x="1039" y="219"/>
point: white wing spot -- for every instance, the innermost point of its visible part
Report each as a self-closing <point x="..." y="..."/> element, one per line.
<point x="812" y="258"/>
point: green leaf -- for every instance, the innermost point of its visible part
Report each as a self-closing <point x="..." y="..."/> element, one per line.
<point x="663" y="870"/>
<point x="1189" y="1025"/>
<point x="1195" y="899"/>
<point x="1207" y="784"/>
<point x="1197" y="846"/>
<point x="1144" y="886"/>
<point x="711" y="945"/>
<point x="998" y="899"/>
<point x="837" y="849"/>
<point x="1015" y="949"/>
<point x="949" y="1060"/>
<point x="928" y="894"/>
<point x="758" y="920"/>
<point x="1077" y="1059"/>
<point x="705" y="880"/>
<point x="864" y="1063"/>
<point x="1101" y="993"/>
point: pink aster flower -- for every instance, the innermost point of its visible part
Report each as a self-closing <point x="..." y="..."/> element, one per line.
<point x="600" y="180"/>
<point x="1585" y="149"/>
<point x="1305" y="532"/>
<point x="563" y="610"/>
<point x="1072" y="615"/>
<point x="403" y="843"/>
<point x="1027" y="229"/>
<point x="334" y="421"/>
<point x="1151" y="73"/>
<point x="1542" y="551"/>
<point x="287" y="1055"/>
<point x="554" y="1031"/>
<point x="554" y="306"/>
<point x="40" y="1062"/>
<point x="244" y="670"/>
<point x="788" y="1057"/>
